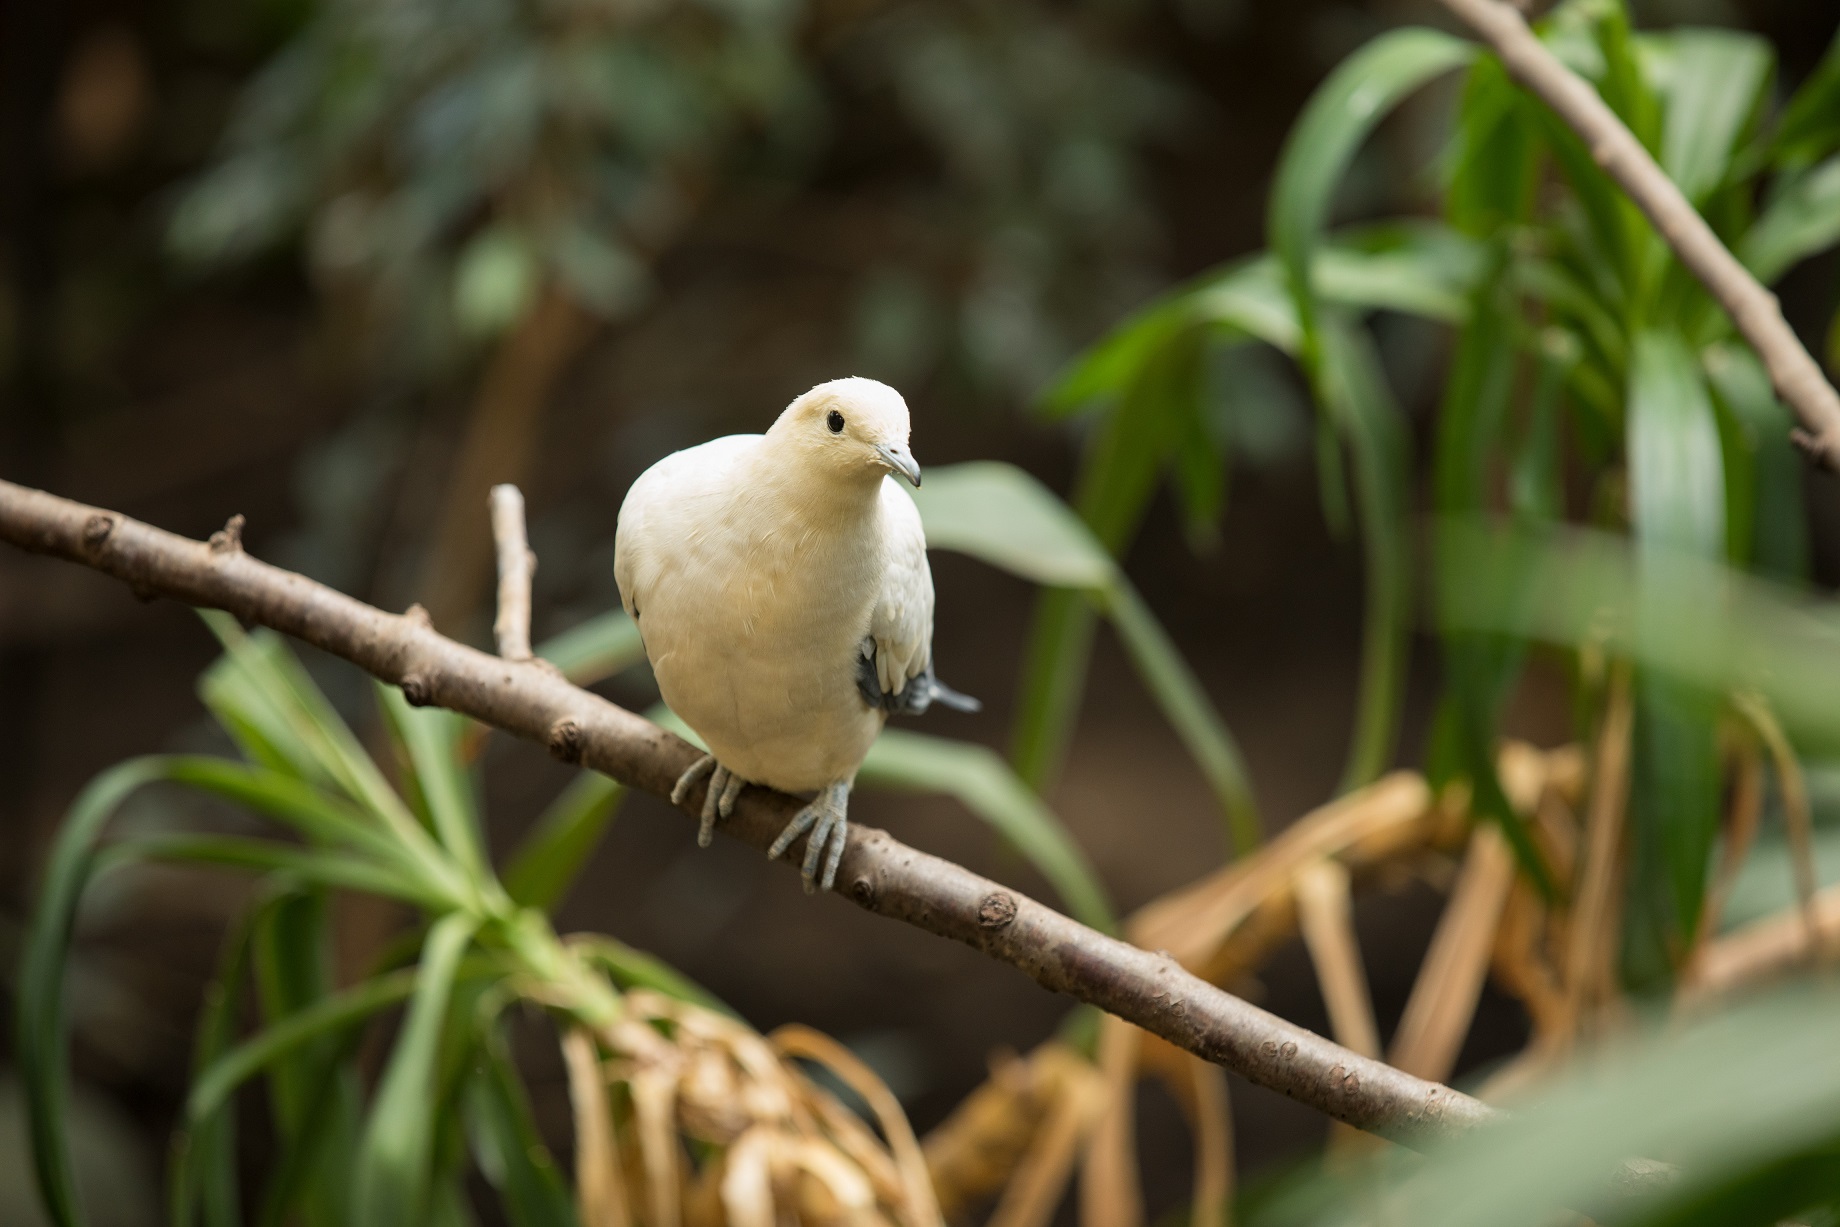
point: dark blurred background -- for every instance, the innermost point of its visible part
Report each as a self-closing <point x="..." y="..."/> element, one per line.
<point x="324" y="265"/>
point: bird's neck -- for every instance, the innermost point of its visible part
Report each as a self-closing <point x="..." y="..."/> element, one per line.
<point x="807" y="487"/>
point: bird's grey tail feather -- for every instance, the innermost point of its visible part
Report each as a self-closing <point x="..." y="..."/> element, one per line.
<point x="945" y="695"/>
<point x="919" y="694"/>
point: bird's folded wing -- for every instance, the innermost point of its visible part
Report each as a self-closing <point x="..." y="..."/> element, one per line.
<point x="901" y="629"/>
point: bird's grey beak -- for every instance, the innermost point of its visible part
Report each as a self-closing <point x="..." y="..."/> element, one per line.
<point x="901" y="461"/>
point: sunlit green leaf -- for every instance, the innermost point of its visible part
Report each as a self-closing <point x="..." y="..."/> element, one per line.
<point x="1343" y="110"/>
<point x="1743" y="1105"/>
<point x="1715" y="82"/>
<point x="1000" y="514"/>
<point x="391" y="1184"/>
<point x="1802" y="220"/>
<point x="431" y="738"/>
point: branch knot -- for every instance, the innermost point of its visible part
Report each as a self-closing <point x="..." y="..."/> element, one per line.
<point x="565" y="739"/>
<point x="996" y="910"/>
<point x="229" y="538"/>
<point x="417" y="689"/>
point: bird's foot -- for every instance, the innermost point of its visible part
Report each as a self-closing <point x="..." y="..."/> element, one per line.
<point x="827" y="818"/>
<point x="718" y="802"/>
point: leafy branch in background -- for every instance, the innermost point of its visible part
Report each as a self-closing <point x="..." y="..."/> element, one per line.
<point x="1582" y="341"/>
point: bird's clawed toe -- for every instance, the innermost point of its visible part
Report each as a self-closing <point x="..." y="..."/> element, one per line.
<point x="688" y="780"/>
<point x="827" y="818"/>
<point x="718" y="801"/>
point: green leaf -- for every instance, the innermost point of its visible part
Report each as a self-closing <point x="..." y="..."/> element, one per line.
<point x="290" y="959"/>
<point x="1746" y="1105"/>
<point x="999" y="514"/>
<point x="1675" y="474"/>
<point x="1681" y="614"/>
<point x="511" y="1152"/>
<point x="543" y="868"/>
<point x="1674" y="803"/>
<point x="289" y="800"/>
<point x="1415" y="268"/>
<point x="1810" y="127"/>
<point x="391" y="1184"/>
<point x="1677" y="493"/>
<point x="984" y="783"/>
<point x="1802" y="219"/>
<point x="331" y="870"/>
<point x="1052" y="685"/>
<point x="330" y="1016"/>
<point x="41" y="1018"/>
<point x="600" y="647"/>
<point x="1354" y="389"/>
<point x="303" y="727"/>
<point x="1343" y="110"/>
<point x="1472" y="443"/>
<point x="313" y="1092"/>
<point x="1778" y="547"/>
<point x="431" y="738"/>
<point x="1494" y="164"/>
<point x="1178" y="692"/>
<point x="1715" y="83"/>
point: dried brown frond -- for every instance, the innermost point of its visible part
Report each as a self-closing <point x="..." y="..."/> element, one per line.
<point x="1449" y="984"/>
<point x="974" y="1152"/>
<point x="722" y="1129"/>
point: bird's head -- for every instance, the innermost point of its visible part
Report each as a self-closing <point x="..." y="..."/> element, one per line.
<point x="852" y="426"/>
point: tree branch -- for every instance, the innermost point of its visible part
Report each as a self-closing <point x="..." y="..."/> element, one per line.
<point x="1798" y="378"/>
<point x="878" y="873"/>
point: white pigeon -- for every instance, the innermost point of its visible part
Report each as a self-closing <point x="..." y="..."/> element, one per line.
<point x="781" y="588"/>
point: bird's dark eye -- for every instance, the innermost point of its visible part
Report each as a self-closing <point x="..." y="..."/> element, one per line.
<point x="835" y="422"/>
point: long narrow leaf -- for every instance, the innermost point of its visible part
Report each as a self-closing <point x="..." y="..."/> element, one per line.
<point x="391" y="1185"/>
<point x="312" y="735"/>
<point x="511" y="1152"/>
<point x="1355" y="387"/>
<point x="545" y="865"/>
<point x="41" y="1019"/>
<point x="431" y="739"/>
<point x="1344" y="109"/>
<point x="1677" y="491"/>
<point x="1197" y="723"/>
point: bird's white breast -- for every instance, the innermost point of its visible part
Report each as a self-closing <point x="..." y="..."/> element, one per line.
<point x="753" y="612"/>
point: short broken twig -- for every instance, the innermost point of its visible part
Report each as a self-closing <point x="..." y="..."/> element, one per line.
<point x="1797" y="377"/>
<point x="516" y="567"/>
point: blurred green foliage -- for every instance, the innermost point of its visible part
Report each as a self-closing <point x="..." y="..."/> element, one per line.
<point x="443" y="161"/>
<point x="1592" y="379"/>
